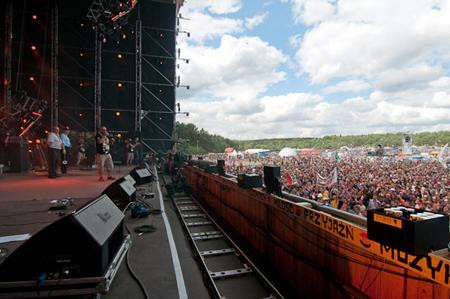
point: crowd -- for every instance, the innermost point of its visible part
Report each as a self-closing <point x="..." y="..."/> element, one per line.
<point x="355" y="184"/>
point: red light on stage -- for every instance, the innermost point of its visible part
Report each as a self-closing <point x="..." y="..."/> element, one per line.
<point x="34" y="17"/>
<point x="119" y="56"/>
<point x="117" y="113"/>
<point x="38" y="141"/>
<point x="33" y="47"/>
<point x="120" y="85"/>
<point x="36" y="113"/>
<point x="21" y="128"/>
<point x="24" y="120"/>
<point x="31" y="78"/>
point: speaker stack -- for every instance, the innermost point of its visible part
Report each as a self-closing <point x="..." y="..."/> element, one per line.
<point x="272" y="176"/>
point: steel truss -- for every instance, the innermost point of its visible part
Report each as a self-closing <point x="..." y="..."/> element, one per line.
<point x="98" y="81"/>
<point x="8" y="53"/>
<point x="54" y="105"/>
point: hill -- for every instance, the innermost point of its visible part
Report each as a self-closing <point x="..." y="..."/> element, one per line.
<point x="193" y="140"/>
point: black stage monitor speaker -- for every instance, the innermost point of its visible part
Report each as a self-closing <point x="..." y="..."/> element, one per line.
<point x="81" y="244"/>
<point x="130" y="179"/>
<point x="248" y="181"/>
<point x="221" y="167"/>
<point x="121" y="192"/>
<point x="141" y="175"/>
<point x="272" y="175"/>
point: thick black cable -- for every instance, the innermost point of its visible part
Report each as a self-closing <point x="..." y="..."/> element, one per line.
<point x="130" y="269"/>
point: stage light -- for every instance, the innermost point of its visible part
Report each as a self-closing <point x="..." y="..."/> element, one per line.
<point x="117" y="113"/>
<point x="119" y="56"/>
<point x="124" y="36"/>
<point x="161" y="62"/>
<point x="81" y="84"/>
<point x="30" y="141"/>
<point x="24" y="120"/>
<point x="29" y="151"/>
<point x="81" y="114"/>
<point x="31" y="78"/>
<point x="119" y="135"/>
<point x="34" y="17"/>
<point x="120" y="85"/>
<point x="82" y="24"/>
<point x="33" y="47"/>
<point x="46" y="132"/>
<point x="81" y="54"/>
<point x="161" y="35"/>
<point x="104" y="40"/>
<point x="38" y="141"/>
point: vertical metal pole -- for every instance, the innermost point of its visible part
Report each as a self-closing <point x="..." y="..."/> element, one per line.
<point x="138" y="94"/>
<point x="98" y="81"/>
<point x="54" y="68"/>
<point x="8" y="53"/>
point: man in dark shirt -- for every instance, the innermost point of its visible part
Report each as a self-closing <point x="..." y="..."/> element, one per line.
<point x="103" y="157"/>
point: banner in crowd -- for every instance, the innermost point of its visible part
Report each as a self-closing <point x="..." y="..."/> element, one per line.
<point x="329" y="180"/>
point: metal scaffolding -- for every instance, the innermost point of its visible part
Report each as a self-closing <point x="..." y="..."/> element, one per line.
<point x="138" y="84"/>
<point x="98" y="81"/>
<point x="8" y="52"/>
<point x="54" y="68"/>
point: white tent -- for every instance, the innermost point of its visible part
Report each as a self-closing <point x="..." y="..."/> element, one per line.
<point x="288" y="152"/>
<point x="254" y="150"/>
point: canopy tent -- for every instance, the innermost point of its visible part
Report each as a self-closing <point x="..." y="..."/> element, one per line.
<point x="288" y="152"/>
<point x="229" y="150"/>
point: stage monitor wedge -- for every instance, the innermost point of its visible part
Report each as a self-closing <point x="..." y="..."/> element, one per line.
<point x="80" y="244"/>
<point x="121" y="192"/>
<point x="141" y="176"/>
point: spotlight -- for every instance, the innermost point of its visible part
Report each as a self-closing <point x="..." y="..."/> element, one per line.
<point x="30" y="141"/>
<point x="46" y="131"/>
<point x="34" y="17"/>
<point x="104" y="40"/>
<point x="81" y="54"/>
<point x="33" y="47"/>
<point x="81" y="84"/>
<point x="81" y="114"/>
<point x="24" y="120"/>
<point x="38" y="141"/>
<point x="82" y="24"/>
<point x="124" y="36"/>
<point x="120" y="85"/>
<point x="119" y="56"/>
<point x="119" y="135"/>
<point x="31" y="78"/>
<point x="117" y="113"/>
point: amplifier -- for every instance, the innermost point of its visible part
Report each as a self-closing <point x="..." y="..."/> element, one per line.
<point x="248" y="181"/>
<point x="414" y="231"/>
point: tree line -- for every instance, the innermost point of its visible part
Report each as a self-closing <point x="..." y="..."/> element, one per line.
<point x="193" y="140"/>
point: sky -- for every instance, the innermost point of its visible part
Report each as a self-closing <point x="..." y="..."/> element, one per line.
<point x="311" y="68"/>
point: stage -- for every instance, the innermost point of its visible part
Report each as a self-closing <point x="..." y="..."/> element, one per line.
<point x="24" y="204"/>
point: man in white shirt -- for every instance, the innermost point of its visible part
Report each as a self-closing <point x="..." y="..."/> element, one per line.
<point x="55" y="147"/>
<point x="66" y="149"/>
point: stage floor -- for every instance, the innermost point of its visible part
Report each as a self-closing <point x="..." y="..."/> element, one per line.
<point x="36" y="186"/>
<point x="24" y="203"/>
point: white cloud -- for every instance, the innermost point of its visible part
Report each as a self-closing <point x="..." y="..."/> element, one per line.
<point x="254" y="21"/>
<point x="214" y="6"/>
<point x="365" y="37"/>
<point x="349" y="85"/>
<point x="443" y="82"/>
<point x="312" y="11"/>
<point x="441" y="99"/>
<point x="295" y="40"/>
<point x="203" y="26"/>
<point x="240" y="68"/>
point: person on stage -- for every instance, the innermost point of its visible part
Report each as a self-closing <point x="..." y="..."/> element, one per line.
<point x="55" y="147"/>
<point x="81" y="155"/>
<point x="103" y="157"/>
<point x="65" y="158"/>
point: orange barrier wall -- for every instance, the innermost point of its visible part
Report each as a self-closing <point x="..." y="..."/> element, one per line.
<point x="319" y="255"/>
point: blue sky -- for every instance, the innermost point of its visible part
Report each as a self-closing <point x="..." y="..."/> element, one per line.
<point x="308" y="68"/>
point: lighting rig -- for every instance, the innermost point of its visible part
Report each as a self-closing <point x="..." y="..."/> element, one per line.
<point x="110" y="16"/>
<point x="21" y="114"/>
